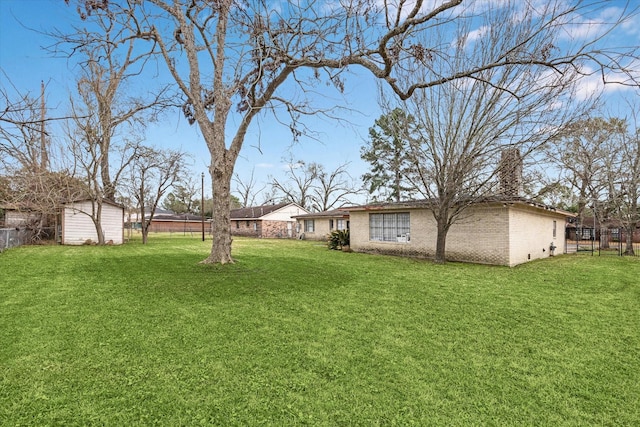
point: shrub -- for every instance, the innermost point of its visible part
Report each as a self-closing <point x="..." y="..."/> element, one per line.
<point x="338" y="239"/>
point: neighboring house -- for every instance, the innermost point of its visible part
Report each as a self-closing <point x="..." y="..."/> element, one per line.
<point x="317" y="226"/>
<point x="178" y="223"/>
<point x="77" y="227"/>
<point x="19" y="226"/>
<point x="275" y="221"/>
<point x="37" y="225"/>
<point x="500" y="232"/>
<point x="165" y="221"/>
<point x="17" y="218"/>
<point x="605" y="230"/>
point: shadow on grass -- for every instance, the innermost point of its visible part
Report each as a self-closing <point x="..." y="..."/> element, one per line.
<point x="176" y="272"/>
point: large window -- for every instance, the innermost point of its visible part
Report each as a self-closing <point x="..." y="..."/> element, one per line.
<point x="389" y="227"/>
<point x="342" y="224"/>
<point x="309" y="226"/>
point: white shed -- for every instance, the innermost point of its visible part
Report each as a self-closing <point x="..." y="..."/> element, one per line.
<point x="77" y="226"/>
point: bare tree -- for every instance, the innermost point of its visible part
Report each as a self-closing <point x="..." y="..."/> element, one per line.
<point x="39" y="195"/>
<point x="109" y="117"/>
<point x="231" y="59"/>
<point x="269" y="197"/>
<point x="580" y="153"/>
<point x="30" y="184"/>
<point x="333" y="188"/>
<point x="553" y="191"/>
<point x="110" y="57"/>
<point x="621" y="176"/>
<point x="314" y="188"/>
<point x="86" y="148"/>
<point x="298" y="186"/>
<point x="472" y="134"/>
<point x="151" y="174"/>
<point x="246" y="189"/>
<point x="24" y="142"/>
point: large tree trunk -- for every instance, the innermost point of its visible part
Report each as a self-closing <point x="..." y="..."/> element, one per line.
<point x="629" y="240"/>
<point x="144" y="229"/>
<point x="108" y="187"/>
<point x="581" y="207"/>
<point x="221" y="223"/>
<point x="97" y="220"/>
<point x="441" y="241"/>
<point x="144" y="224"/>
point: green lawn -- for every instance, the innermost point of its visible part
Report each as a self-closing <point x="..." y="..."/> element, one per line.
<point x="294" y="334"/>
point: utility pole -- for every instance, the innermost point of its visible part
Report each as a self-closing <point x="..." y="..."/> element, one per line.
<point x="202" y="202"/>
<point x="44" y="157"/>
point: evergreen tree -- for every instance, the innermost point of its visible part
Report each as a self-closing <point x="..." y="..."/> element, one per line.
<point x="389" y="155"/>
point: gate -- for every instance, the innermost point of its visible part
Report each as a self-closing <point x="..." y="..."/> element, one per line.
<point x="604" y="241"/>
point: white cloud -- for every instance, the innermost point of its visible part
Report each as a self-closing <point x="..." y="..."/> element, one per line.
<point x="593" y="83"/>
<point x="631" y="24"/>
<point x="392" y="7"/>
<point x="264" y="165"/>
<point x="478" y="33"/>
<point x="591" y="27"/>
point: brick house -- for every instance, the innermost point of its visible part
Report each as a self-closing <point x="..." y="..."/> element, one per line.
<point x="499" y="232"/>
<point x="179" y="223"/>
<point x="317" y="226"/>
<point x="273" y="221"/>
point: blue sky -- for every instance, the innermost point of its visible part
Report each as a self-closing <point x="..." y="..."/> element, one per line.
<point x="26" y="64"/>
<point x="24" y="61"/>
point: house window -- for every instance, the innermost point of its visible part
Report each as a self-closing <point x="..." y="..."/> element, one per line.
<point x="615" y="234"/>
<point x="342" y="224"/>
<point x="330" y="224"/>
<point x="389" y="227"/>
<point x="554" y="228"/>
<point x="237" y="224"/>
<point x="247" y="223"/>
<point x="309" y="226"/>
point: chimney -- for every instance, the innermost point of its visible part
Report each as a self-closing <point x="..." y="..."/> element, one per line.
<point x="510" y="172"/>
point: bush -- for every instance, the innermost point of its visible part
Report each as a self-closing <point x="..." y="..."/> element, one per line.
<point x="338" y="239"/>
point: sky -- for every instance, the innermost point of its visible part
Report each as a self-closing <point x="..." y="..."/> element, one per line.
<point x="26" y="64"/>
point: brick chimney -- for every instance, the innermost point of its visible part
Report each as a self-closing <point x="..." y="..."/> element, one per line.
<point x="510" y="172"/>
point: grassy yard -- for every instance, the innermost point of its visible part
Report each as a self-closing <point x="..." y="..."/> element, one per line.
<point x="294" y="334"/>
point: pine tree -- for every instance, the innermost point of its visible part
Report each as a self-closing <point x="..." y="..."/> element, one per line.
<point x="388" y="153"/>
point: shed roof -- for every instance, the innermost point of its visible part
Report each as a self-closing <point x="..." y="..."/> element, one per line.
<point x="104" y="201"/>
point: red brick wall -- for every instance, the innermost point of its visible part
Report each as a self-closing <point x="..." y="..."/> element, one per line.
<point x="179" y="226"/>
<point x="268" y="229"/>
<point x="278" y="229"/>
<point x="246" y="228"/>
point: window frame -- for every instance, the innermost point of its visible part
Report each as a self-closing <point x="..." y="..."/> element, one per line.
<point x="391" y="227"/>
<point x="309" y="226"/>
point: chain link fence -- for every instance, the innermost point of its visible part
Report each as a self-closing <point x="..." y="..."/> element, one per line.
<point x="12" y="237"/>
